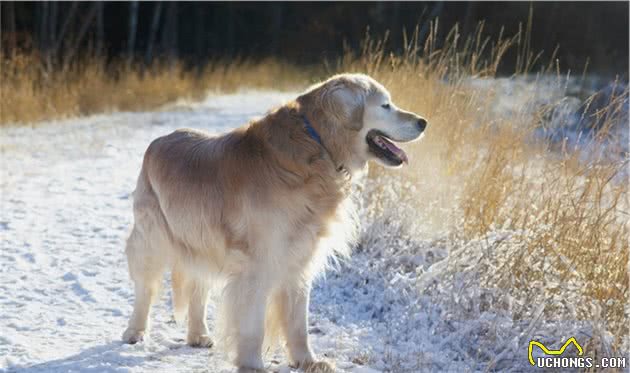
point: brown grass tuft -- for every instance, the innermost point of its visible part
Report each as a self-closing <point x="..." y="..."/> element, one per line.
<point x="30" y="93"/>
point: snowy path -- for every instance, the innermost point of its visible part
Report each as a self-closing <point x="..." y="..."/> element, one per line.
<point x="65" y="294"/>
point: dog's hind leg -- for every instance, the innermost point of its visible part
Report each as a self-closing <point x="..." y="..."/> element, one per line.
<point x="146" y="269"/>
<point x="181" y="293"/>
<point x="243" y="319"/>
<point x="191" y="295"/>
<point x="198" y="334"/>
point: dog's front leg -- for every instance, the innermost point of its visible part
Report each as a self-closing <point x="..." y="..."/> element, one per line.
<point x="294" y="312"/>
<point x="246" y="298"/>
<point x="294" y="320"/>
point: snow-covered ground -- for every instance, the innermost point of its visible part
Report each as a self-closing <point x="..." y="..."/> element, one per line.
<point x="401" y="303"/>
<point x="570" y="106"/>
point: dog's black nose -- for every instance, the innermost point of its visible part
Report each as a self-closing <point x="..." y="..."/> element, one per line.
<point x="422" y="124"/>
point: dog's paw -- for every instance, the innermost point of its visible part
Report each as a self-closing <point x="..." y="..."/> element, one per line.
<point x="133" y="336"/>
<point x="201" y="341"/>
<point x="317" y="367"/>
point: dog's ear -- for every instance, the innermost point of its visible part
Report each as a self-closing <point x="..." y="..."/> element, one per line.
<point x="344" y="103"/>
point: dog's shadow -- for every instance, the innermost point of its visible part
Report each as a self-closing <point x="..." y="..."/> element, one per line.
<point x="107" y="358"/>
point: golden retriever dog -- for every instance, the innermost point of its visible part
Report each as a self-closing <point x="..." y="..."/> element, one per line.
<point x="260" y="209"/>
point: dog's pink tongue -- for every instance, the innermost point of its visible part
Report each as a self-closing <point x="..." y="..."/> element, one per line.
<point x="396" y="150"/>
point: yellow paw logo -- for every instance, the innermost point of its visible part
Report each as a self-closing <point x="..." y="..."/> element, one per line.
<point x="552" y="352"/>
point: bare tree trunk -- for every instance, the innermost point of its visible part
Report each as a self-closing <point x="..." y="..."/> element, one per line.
<point x="378" y="12"/>
<point x="155" y="23"/>
<point x="9" y="8"/>
<point x="169" y="35"/>
<point x="200" y="34"/>
<point x="64" y="29"/>
<point x="42" y="27"/>
<point x="82" y="31"/>
<point x="213" y="41"/>
<point x="276" y="26"/>
<point x="435" y="13"/>
<point x="470" y="19"/>
<point x="174" y="35"/>
<point x="394" y="17"/>
<point x="133" y="26"/>
<point x="51" y="34"/>
<point x="230" y="29"/>
<point x="52" y="23"/>
<point x="100" y="28"/>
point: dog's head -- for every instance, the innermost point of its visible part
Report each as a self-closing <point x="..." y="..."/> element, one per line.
<point x="358" y="121"/>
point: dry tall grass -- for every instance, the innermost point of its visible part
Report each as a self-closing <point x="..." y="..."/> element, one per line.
<point x="478" y="174"/>
<point x="30" y="93"/>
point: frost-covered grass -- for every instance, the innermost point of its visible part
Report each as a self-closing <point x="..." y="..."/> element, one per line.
<point x="528" y="198"/>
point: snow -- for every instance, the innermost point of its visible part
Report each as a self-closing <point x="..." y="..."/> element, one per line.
<point x="403" y="302"/>
<point x="569" y="105"/>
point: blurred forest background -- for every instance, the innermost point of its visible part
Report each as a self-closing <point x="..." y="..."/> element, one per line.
<point x="304" y="32"/>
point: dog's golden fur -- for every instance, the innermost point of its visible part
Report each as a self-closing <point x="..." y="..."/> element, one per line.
<point x="253" y="207"/>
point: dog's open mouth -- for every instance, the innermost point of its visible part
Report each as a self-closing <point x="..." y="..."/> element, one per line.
<point x="381" y="146"/>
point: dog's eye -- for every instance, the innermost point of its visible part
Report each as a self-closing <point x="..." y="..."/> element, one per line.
<point x="385" y="106"/>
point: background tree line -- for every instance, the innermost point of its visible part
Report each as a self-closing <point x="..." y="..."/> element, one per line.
<point x="301" y="32"/>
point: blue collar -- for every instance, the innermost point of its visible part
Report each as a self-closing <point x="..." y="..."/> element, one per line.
<point x="311" y="131"/>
